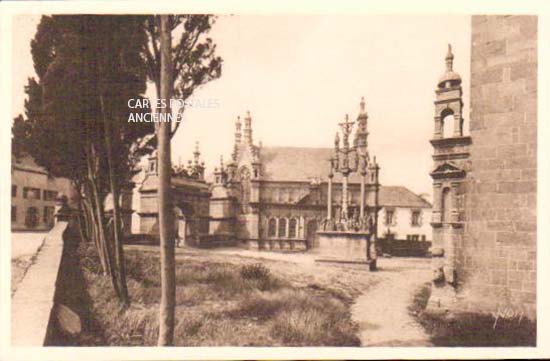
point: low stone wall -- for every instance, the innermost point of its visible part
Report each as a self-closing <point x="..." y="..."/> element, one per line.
<point x="33" y="302"/>
<point x="404" y="247"/>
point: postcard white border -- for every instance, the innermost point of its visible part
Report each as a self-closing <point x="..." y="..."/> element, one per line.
<point x="532" y="7"/>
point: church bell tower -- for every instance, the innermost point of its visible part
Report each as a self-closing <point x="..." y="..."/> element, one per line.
<point x="451" y="165"/>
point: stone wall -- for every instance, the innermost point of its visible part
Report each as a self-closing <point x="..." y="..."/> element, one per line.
<point x="497" y="259"/>
<point x="33" y="303"/>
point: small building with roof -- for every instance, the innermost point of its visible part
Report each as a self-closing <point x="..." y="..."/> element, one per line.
<point x="33" y="195"/>
<point x="404" y="215"/>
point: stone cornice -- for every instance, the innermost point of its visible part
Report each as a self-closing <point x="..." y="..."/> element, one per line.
<point x="450" y="156"/>
<point x="452" y="141"/>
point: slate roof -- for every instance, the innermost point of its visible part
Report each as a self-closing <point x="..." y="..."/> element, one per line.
<point x="287" y="164"/>
<point x="297" y="164"/>
<point x="398" y="196"/>
<point x="27" y="163"/>
<point x="150" y="183"/>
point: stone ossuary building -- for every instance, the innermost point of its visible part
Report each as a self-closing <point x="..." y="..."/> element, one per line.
<point x="485" y="183"/>
<point x="191" y="198"/>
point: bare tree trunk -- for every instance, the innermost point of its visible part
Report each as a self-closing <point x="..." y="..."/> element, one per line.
<point x="100" y="217"/>
<point x="93" y="231"/>
<point x="166" y="216"/>
<point x="87" y="223"/>
<point x="95" y="222"/>
<point x="82" y="228"/>
<point x="80" y="215"/>
<point x="99" y="214"/>
<point x="84" y="236"/>
<point x="110" y="137"/>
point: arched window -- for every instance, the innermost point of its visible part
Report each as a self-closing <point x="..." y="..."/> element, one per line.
<point x="292" y="225"/>
<point x="447" y="123"/>
<point x="446" y="205"/>
<point x="244" y="177"/>
<point x="272" y="228"/>
<point x="282" y="227"/>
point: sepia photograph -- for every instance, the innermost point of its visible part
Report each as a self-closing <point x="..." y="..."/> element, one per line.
<point x="324" y="180"/>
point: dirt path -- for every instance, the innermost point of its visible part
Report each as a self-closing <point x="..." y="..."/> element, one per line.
<point x="382" y="311"/>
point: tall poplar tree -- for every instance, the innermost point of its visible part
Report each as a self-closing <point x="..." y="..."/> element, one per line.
<point x="180" y="58"/>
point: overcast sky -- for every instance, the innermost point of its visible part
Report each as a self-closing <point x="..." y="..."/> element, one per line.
<point x="299" y="76"/>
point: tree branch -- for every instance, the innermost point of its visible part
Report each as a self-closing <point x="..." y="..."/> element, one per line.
<point x="180" y="112"/>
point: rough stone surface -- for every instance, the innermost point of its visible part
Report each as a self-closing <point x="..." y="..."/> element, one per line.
<point x="496" y="262"/>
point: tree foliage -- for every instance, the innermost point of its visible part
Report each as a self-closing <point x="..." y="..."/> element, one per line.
<point x="87" y="66"/>
<point x="193" y="55"/>
<point x="75" y="123"/>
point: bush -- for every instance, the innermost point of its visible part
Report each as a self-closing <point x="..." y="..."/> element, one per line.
<point x="259" y="306"/>
<point x="307" y="320"/>
<point x="256" y="271"/>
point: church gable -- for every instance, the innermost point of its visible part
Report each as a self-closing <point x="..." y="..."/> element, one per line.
<point x="245" y="156"/>
<point x="447" y="170"/>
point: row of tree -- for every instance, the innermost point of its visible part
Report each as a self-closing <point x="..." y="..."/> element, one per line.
<point x="75" y="122"/>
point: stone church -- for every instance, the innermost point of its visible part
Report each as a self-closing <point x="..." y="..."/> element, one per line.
<point x="276" y="197"/>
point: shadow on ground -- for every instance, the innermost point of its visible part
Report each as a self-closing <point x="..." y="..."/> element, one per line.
<point x="71" y="292"/>
<point x="472" y="329"/>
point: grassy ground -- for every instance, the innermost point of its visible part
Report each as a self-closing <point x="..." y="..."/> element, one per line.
<point x="218" y="304"/>
<point x="472" y="329"/>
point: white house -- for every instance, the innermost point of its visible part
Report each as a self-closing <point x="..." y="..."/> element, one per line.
<point x="404" y="214"/>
